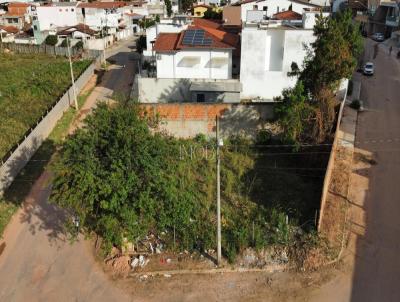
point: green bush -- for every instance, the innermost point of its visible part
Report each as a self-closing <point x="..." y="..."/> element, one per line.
<point x="355" y="104"/>
<point x="51" y="40"/>
<point x="79" y="45"/>
<point x="64" y="43"/>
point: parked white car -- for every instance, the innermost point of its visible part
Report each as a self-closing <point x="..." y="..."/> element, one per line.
<point x="368" y="68"/>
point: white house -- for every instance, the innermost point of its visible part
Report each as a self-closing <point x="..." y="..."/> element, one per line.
<point x="192" y="54"/>
<point x="175" y="25"/>
<point x="267" y="53"/>
<point x="99" y="15"/>
<point x="271" y="7"/>
<point x="56" y="14"/>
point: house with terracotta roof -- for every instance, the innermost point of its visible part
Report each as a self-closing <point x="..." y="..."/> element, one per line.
<point x="195" y="65"/>
<point x="267" y="8"/>
<point x="17" y="15"/>
<point x="7" y="33"/>
<point x="269" y="48"/>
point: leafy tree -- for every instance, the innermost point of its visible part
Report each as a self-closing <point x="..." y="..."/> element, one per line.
<point x="79" y="45"/>
<point x="64" y="43"/>
<point x="168" y="5"/>
<point x="51" y="40"/>
<point x="211" y="14"/>
<point x="307" y="112"/>
<point x="119" y="179"/>
<point x="186" y="5"/>
<point x="333" y="55"/>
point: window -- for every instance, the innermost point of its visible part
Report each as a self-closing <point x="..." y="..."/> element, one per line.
<point x="60" y="10"/>
<point x="255" y="7"/>
<point x="72" y="10"/>
<point x="34" y="27"/>
<point x="200" y="98"/>
<point x="265" y="8"/>
<point x="277" y="9"/>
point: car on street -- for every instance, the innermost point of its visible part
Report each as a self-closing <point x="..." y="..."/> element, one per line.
<point x="379" y="37"/>
<point x="368" y="68"/>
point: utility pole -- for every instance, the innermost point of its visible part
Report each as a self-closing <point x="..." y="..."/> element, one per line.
<point x="218" y="195"/>
<point x="72" y="74"/>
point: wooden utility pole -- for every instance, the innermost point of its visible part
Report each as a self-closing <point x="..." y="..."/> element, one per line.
<point x="218" y="196"/>
<point x="72" y="74"/>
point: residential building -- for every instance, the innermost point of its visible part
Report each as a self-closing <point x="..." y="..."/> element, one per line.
<point x="7" y="33"/>
<point x="78" y="32"/>
<point x="17" y="15"/>
<point x="54" y="15"/>
<point x="268" y="50"/>
<point x="174" y="25"/>
<point x="265" y="9"/>
<point x="179" y="57"/>
<point x="194" y="65"/>
<point x="385" y="19"/>
<point x="101" y="15"/>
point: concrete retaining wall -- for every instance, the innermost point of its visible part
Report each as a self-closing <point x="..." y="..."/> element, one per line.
<point x="22" y="154"/>
<point x="153" y="90"/>
<point x="189" y="119"/>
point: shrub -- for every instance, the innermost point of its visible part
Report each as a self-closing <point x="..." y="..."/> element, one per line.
<point x="51" y="40"/>
<point x="79" y="45"/>
<point x="64" y="43"/>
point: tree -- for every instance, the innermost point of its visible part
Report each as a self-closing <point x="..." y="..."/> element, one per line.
<point x="51" y="40"/>
<point x="186" y="5"/>
<point x="307" y="112"/>
<point x="120" y="180"/>
<point x="211" y="14"/>
<point x="168" y="5"/>
<point x="64" y="43"/>
<point x="79" y="45"/>
<point x="333" y="55"/>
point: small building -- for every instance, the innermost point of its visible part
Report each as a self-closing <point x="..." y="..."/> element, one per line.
<point x="8" y="33"/>
<point x="54" y="15"/>
<point x="79" y="32"/>
<point x="268" y="50"/>
<point x="265" y="9"/>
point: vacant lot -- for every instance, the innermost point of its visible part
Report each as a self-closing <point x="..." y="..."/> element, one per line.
<point x="29" y="85"/>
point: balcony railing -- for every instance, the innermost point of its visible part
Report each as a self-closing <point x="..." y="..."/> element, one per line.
<point x="392" y="20"/>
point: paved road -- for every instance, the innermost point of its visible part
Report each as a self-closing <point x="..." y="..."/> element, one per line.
<point x="38" y="263"/>
<point x="372" y="264"/>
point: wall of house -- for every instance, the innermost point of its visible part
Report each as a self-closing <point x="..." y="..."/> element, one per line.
<point x="98" y="18"/>
<point x="274" y="6"/>
<point x="151" y="90"/>
<point x="188" y="120"/>
<point x="195" y="64"/>
<point x="266" y="58"/>
<point x="56" y="16"/>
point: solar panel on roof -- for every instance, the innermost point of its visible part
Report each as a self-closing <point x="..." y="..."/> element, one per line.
<point x="196" y="37"/>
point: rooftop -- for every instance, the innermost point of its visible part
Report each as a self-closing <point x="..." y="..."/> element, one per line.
<point x="9" y="29"/>
<point x="170" y="42"/>
<point x="79" y="27"/>
<point x="18" y="4"/>
<point x="287" y="15"/>
<point x="103" y="5"/>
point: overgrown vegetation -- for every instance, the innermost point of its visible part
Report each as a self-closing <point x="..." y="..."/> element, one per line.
<point x="134" y="181"/>
<point x="29" y="85"/>
<point x="51" y="40"/>
<point x="210" y="13"/>
<point x="307" y="111"/>
<point x="19" y="189"/>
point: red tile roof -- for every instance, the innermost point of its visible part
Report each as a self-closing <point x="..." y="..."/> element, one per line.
<point x="287" y="15"/>
<point x="79" y="27"/>
<point x="217" y="24"/>
<point x="18" y="4"/>
<point x="216" y="29"/>
<point x="167" y="42"/>
<point x="102" y="5"/>
<point x="9" y="29"/>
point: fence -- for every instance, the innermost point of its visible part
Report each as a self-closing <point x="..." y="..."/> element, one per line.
<point x="50" y="50"/>
<point x="35" y="136"/>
